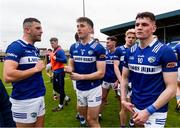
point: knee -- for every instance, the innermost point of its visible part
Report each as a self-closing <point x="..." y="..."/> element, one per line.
<point x="91" y="120"/>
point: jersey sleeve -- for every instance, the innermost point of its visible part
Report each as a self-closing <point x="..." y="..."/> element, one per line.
<point x="126" y="58"/>
<point x="61" y="57"/>
<point x="100" y="53"/>
<point x="71" y="51"/>
<point x="14" y="52"/>
<point x="117" y="54"/>
<point x="168" y="60"/>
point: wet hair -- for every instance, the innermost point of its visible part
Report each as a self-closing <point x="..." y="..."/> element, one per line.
<point x="53" y="39"/>
<point x="28" y="21"/>
<point x="112" y="38"/>
<point x="85" y="19"/>
<point x="149" y="15"/>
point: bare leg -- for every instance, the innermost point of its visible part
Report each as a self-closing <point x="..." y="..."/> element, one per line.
<point x="92" y="116"/>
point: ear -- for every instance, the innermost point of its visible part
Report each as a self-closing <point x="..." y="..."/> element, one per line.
<point x="154" y="28"/>
<point x="27" y="29"/>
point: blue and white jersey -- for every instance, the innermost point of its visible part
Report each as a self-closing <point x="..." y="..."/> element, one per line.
<point x="119" y="55"/>
<point x="177" y="51"/>
<point x="26" y="56"/>
<point x="110" y="75"/>
<point x="146" y="68"/>
<point x="85" y="57"/>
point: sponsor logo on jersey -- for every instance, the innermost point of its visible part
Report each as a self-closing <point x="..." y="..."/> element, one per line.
<point x="145" y="69"/>
<point x="29" y="60"/>
<point x="151" y="59"/>
<point x="171" y="65"/>
<point x="90" y="52"/>
<point x="102" y="56"/>
<point x="84" y="59"/>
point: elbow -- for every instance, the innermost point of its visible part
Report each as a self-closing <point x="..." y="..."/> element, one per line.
<point x="101" y="75"/>
<point x="7" y="79"/>
<point x="172" y="91"/>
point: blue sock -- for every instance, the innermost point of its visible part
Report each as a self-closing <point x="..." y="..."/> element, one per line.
<point x="178" y="97"/>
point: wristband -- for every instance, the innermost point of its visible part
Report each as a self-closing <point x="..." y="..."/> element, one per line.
<point x="151" y="109"/>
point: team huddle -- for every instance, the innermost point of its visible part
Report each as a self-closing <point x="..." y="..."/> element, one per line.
<point x="143" y="75"/>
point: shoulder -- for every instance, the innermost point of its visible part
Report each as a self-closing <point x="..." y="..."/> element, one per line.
<point x="16" y="47"/>
<point x="75" y="45"/>
<point x="96" y="46"/>
<point x="16" y="44"/>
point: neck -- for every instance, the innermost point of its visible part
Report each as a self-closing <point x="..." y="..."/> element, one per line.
<point x="127" y="46"/>
<point x="112" y="49"/>
<point x="145" y="42"/>
<point x="86" y="40"/>
<point x="27" y="39"/>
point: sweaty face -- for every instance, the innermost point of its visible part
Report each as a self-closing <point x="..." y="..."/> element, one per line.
<point x="144" y="28"/>
<point x="130" y="39"/>
<point x="83" y="30"/>
<point x="35" y="31"/>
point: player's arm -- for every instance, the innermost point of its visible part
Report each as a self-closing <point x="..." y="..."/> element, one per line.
<point x="70" y="67"/>
<point x="124" y="83"/>
<point x="99" y="74"/>
<point x="170" y="79"/>
<point x="116" y="70"/>
<point x="60" y="56"/>
<point x="12" y="74"/>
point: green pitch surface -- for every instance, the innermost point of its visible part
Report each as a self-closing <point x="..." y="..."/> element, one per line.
<point x="66" y="117"/>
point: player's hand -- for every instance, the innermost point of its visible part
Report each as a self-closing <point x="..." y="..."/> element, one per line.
<point x="68" y="69"/>
<point x="129" y="106"/>
<point x="76" y="76"/>
<point x="39" y="66"/>
<point x="141" y="117"/>
<point x="115" y="87"/>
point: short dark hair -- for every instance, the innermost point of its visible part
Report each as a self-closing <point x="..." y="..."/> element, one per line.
<point x="76" y="37"/>
<point x="30" y="20"/>
<point x="85" y="19"/>
<point x="50" y="50"/>
<point x="53" y="39"/>
<point x="112" y="38"/>
<point x="149" y="15"/>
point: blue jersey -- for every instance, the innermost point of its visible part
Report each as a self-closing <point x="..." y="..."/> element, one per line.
<point x="110" y="75"/>
<point x="119" y="55"/>
<point x="146" y="67"/>
<point x="26" y="55"/>
<point x="85" y="57"/>
<point x="177" y="51"/>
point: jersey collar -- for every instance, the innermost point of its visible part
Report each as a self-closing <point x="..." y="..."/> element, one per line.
<point x="152" y="43"/>
<point x="24" y="41"/>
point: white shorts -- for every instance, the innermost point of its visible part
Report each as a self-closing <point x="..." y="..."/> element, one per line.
<point x="90" y="98"/>
<point x="178" y="74"/>
<point x="156" y="120"/>
<point x="74" y="84"/>
<point x="27" y="111"/>
<point x="48" y="67"/>
<point x="129" y="90"/>
<point x="108" y="85"/>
